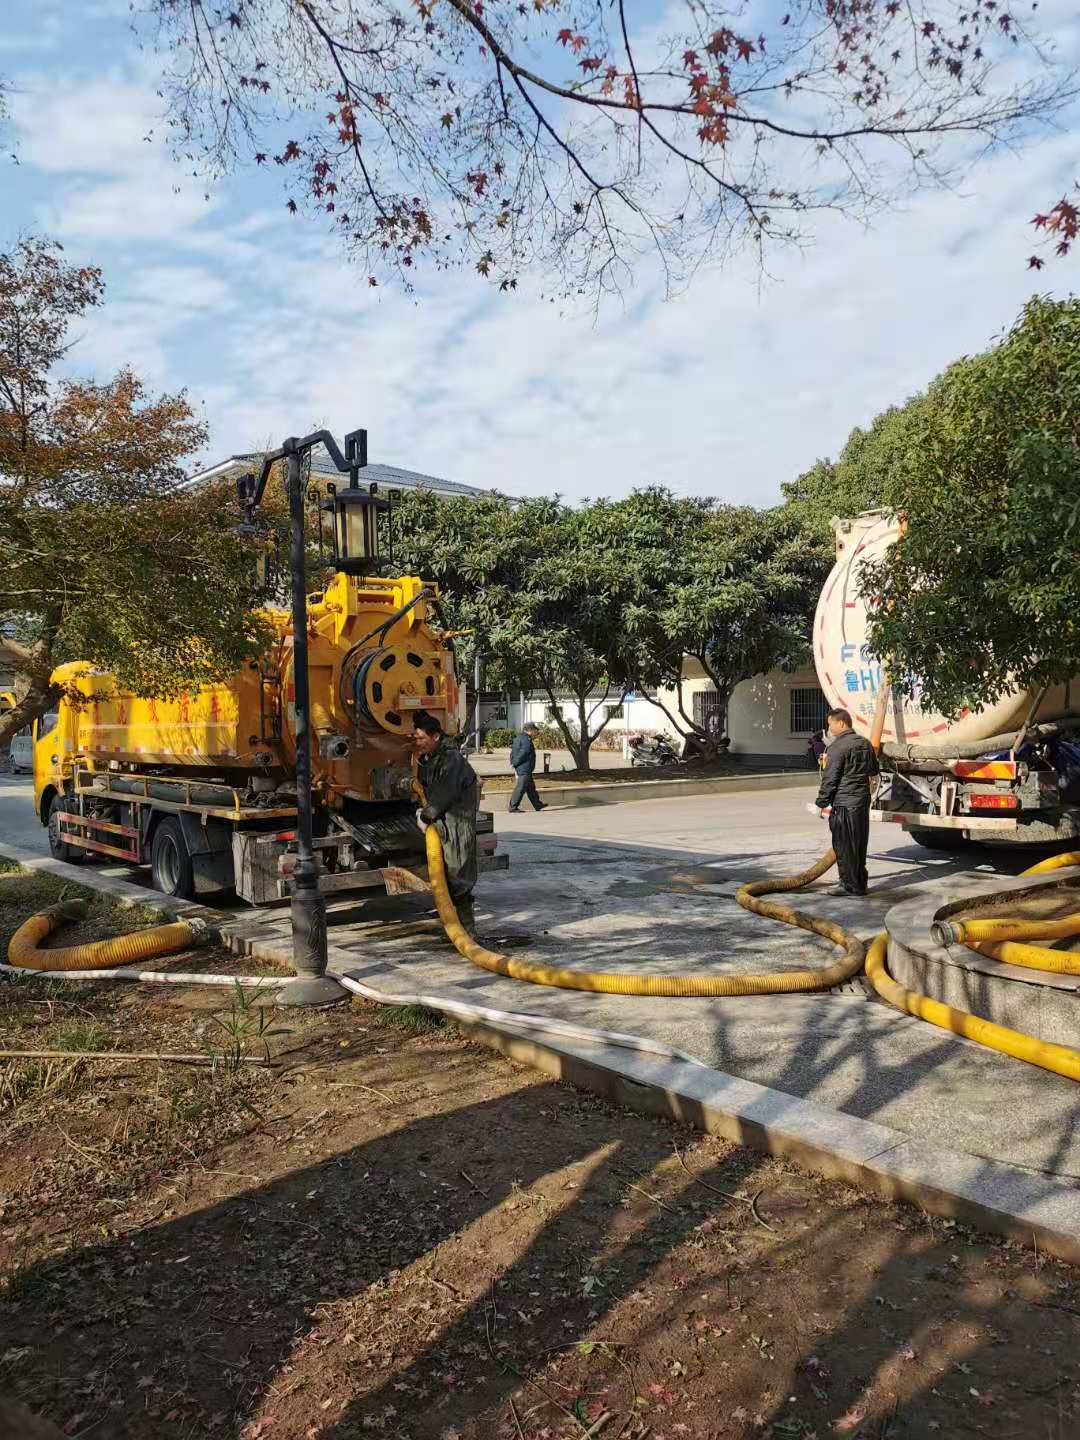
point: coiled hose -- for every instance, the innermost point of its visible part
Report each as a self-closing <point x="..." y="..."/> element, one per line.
<point x="996" y="938"/>
<point x="1057" y="1058"/>
<point x="606" y="982"/>
<point x="24" y="950"/>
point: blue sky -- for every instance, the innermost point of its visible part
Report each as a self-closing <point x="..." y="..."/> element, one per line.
<point x="729" y="390"/>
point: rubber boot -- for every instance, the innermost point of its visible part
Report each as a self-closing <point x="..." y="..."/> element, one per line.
<point x="466" y="910"/>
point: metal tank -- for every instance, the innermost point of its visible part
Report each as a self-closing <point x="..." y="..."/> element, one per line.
<point x="850" y="675"/>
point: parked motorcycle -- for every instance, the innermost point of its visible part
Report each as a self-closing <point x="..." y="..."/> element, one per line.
<point x="647" y="751"/>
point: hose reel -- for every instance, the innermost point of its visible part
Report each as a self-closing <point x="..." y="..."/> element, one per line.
<point x="382" y="689"/>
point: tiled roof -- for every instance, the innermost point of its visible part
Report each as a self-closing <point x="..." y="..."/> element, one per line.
<point x="392" y="477"/>
<point x="387" y="477"/>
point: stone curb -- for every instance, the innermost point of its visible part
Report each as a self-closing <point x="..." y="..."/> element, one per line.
<point x="1030" y="1208"/>
<point x="620" y="792"/>
<point x="1000" y="1199"/>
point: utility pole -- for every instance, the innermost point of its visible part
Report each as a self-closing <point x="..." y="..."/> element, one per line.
<point x="308" y="909"/>
<point x="477" y="678"/>
<point x="312" y="985"/>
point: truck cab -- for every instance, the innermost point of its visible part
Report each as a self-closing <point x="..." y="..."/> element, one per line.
<point x="51" y="748"/>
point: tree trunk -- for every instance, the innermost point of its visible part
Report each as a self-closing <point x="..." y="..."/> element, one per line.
<point x="581" y="750"/>
<point x="572" y="743"/>
<point x="37" y="701"/>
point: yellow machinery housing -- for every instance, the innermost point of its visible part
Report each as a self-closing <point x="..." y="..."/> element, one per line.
<point x="365" y="688"/>
<point x="202" y="784"/>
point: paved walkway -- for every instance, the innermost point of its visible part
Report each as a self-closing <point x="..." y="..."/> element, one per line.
<point x="650" y="887"/>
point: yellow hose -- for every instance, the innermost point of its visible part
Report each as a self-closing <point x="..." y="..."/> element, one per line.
<point x="103" y="954"/>
<point x="1055" y="862"/>
<point x="1031" y="957"/>
<point x="967" y="932"/>
<point x="1058" y="1058"/>
<point x="606" y="982"/>
<point x="997" y="938"/>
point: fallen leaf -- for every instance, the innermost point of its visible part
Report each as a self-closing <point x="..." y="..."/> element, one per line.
<point x="850" y="1418"/>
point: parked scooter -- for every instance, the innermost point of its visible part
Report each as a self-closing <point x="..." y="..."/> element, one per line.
<point x="647" y="751"/>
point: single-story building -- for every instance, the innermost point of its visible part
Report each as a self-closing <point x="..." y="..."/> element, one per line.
<point x="769" y="717"/>
<point x="387" y="477"/>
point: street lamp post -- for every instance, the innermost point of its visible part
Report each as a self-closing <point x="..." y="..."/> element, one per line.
<point x="308" y="909"/>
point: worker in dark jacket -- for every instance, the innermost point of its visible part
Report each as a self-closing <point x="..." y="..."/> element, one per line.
<point x="844" y="796"/>
<point x="523" y="761"/>
<point x="453" y="797"/>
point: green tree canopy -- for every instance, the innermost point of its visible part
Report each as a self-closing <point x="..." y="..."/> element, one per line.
<point x="731" y="586"/>
<point x="867" y="469"/>
<point x="543" y="601"/>
<point x="982" y="592"/>
<point x="610" y="596"/>
<point x="102" y="557"/>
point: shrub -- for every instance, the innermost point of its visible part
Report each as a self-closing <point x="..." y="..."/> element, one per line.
<point x="548" y="737"/>
<point x="498" y="738"/>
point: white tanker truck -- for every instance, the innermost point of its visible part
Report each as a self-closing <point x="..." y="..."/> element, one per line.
<point x="1006" y="774"/>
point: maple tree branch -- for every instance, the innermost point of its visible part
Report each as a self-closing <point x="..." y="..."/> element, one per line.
<point x="354" y="139"/>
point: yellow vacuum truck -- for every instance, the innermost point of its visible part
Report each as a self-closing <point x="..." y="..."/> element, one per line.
<point x="202" y="786"/>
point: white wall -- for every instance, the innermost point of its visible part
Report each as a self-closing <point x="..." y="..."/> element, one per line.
<point x="759" y="713"/>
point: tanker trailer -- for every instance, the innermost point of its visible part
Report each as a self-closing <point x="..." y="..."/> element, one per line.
<point x="1008" y="773"/>
<point x="202" y="785"/>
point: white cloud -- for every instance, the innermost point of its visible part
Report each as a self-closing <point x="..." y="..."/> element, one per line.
<point x="90" y="128"/>
<point x="98" y="142"/>
<point x="730" y="391"/>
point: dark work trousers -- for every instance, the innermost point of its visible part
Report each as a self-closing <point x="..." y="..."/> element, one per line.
<point x="526" y="785"/>
<point x="850" y="826"/>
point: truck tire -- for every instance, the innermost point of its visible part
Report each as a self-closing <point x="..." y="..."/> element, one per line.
<point x="70" y="854"/>
<point x="939" y="839"/>
<point x="170" y="863"/>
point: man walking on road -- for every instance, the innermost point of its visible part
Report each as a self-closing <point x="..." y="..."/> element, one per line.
<point x="845" y="797"/>
<point x="523" y="760"/>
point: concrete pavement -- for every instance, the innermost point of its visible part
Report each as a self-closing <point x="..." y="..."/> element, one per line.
<point x="18" y="823"/>
<point x="650" y="887"/>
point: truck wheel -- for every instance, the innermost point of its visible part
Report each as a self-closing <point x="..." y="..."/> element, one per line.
<point x="58" y="849"/>
<point x="170" y="863"/>
<point x="939" y="839"/>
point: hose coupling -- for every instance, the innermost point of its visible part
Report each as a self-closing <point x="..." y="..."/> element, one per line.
<point x="947" y="932"/>
<point x="202" y="933"/>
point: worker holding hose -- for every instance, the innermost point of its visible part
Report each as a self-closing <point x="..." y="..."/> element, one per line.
<point x="452" y="799"/>
<point x="844" y="797"/>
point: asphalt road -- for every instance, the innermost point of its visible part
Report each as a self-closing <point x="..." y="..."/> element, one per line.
<point x="757" y="823"/>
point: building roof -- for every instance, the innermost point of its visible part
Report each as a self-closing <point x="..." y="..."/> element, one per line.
<point x="387" y="477"/>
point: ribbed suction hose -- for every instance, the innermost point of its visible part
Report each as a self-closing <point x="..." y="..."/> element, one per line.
<point x="988" y="937"/>
<point x="24" y="950"/>
<point x="610" y="982"/>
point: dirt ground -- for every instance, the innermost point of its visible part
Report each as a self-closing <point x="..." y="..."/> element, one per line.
<point x="391" y="1231"/>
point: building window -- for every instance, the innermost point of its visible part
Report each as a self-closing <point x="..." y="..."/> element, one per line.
<point x="615" y="712"/>
<point x="709" y="714"/>
<point x="554" y="711"/>
<point x="808" y="710"/>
